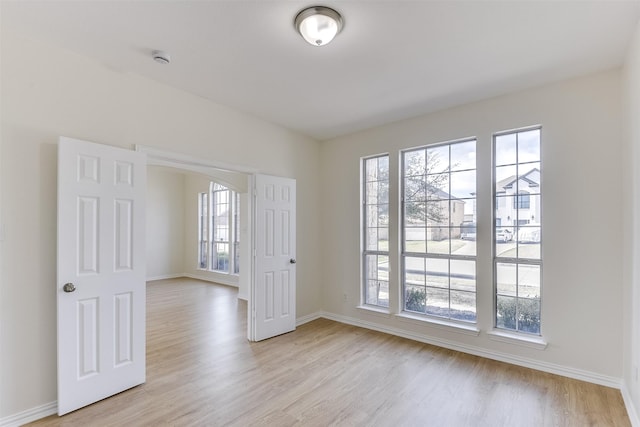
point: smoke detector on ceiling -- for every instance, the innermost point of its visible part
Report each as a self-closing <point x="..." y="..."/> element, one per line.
<point x="161" y="57"/>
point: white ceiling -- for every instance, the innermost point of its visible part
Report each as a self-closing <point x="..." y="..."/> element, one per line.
<point x="393" y="60"/>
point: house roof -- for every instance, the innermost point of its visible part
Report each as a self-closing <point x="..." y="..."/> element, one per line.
<point x="443" y="195"/>
<point x="508" y="182"/>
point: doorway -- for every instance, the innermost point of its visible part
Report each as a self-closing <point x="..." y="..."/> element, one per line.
<point x="269" y="273"/>
<point x="101" y="201"/>
<point x="180" y="238"/>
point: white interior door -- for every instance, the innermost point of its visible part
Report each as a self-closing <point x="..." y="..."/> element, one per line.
<point x="273" y="292"/>
<point x="101" y="272"/>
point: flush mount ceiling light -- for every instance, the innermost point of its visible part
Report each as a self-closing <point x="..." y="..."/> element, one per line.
<point x="318" y="25"/>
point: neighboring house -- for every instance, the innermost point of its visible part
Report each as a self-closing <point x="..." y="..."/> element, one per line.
<point x="516" y="200"/>
<point x="444" y="229"/>
<point x="449" y="225"/>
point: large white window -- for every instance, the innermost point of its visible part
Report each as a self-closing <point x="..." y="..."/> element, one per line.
<point x="517" y="230"/>
<point x="218" y="231"/>
<point x="375" y="219"/>
<point x="439" y="230"/>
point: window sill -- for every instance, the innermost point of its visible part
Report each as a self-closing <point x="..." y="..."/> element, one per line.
<point x="375" y="310"/>
<point x="537" y="343"/>
<point x="440" y="324"/>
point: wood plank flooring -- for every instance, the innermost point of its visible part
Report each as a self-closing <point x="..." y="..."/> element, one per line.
<point x="202" y="371"/>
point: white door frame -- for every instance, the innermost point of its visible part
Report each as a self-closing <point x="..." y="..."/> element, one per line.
<point x="157" y="157"/>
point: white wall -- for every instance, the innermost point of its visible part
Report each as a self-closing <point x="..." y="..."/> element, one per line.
<point x="48" y="92"/>
<point x="631" y="207"/>
<point x="582" y="217"/>
<point x="165" y="223"/>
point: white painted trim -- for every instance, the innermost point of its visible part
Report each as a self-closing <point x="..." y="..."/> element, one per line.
<point x="30" y="415"/>
<point x="458" y="328"/>
<point x="511" y="338"/>
<point x="220" y="280"/>
<point x="308" y="318"/>
<point x="159" y="157"/>
<point x="164" y="277"/>
<point x="375" y="310"/>
<point x="552" y="368"/>
<point x="216" y="276"/>
<point x="631" y="407"/>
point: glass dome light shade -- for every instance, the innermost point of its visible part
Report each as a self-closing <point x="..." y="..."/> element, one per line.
<point x="318" y="25"/>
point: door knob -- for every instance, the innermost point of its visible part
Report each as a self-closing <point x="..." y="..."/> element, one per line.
<point x="292" y="260"/>
<point x="69" y="287"/>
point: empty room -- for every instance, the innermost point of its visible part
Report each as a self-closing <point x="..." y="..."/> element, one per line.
<point x="342" y="213"/>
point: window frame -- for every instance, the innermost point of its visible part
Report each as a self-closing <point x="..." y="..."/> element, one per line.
<point x="449" y="257"/>
<point x="518" y="222"/>
<point x="366" y="253"/>
<point x="203" y="230"/>
<point x="235" y="235"/>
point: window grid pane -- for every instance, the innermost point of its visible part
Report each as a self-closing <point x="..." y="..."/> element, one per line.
<point x="517" y="231"/>
<point x="236" y="233"/>
<point x="221" y="227"/>
<point x="439" y="230"/>
<point x="375" y="215"/>
<point x="203" y="233"/>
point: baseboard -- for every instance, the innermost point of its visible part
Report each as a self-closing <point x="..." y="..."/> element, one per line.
<point x="308" y="318"/>
<point x="220" y="280"/>
<point x="29" y="415"/>
<point x="164" y="277"/>
<point x="552" y="368"/>
<point x="631" y="407"/>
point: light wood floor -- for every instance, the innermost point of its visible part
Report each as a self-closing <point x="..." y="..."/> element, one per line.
<point x="201" y="371"/>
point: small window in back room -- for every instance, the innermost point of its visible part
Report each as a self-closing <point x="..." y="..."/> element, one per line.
<point x="219" y="230"/>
